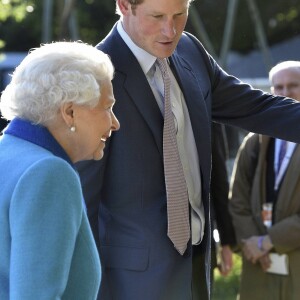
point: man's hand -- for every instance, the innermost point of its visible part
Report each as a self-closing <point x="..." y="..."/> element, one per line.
<point x="256" y="246"/>
<point x="265" y="262"/>
<point x="226" y="260"/>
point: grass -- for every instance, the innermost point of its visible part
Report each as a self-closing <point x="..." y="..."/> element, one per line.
<point x="226" y="288"/>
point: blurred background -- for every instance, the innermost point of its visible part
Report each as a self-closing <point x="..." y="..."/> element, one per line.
<point x="246" y="37"/>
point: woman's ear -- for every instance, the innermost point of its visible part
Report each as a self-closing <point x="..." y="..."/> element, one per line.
<point x="67" y="113"/>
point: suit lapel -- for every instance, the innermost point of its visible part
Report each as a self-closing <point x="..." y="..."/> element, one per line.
<point x="134" y="83"/>
<point x="137" y="86"/>
<point x="196" y="105"/>
<point x="291" y="179"/>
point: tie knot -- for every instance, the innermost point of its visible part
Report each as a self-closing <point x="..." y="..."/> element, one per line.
<point x="162" y="64"/>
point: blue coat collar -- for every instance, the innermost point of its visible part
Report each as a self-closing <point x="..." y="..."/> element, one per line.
<point x="38" y="135"/>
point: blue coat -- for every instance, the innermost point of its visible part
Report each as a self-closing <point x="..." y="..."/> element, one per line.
<point x="125" y="192"/>
<point x="46" y="246"/>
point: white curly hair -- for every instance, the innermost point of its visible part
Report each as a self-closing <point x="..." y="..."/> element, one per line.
<point x="52" y="75"/>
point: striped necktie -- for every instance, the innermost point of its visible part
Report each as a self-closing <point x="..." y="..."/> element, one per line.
<point x="177" y="195"/>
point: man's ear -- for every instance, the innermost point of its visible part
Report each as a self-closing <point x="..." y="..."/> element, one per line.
<point x="67" y="113"/>
<point x="124" y="6"/>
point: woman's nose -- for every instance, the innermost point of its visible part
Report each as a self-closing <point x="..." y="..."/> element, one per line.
<point x="115" y="123"/>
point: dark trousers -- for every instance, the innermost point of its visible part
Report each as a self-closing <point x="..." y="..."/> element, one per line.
<point x="199" y="288"/>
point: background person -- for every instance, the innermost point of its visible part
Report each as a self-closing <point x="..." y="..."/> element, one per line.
<point x="140" y="256"/>
<point x="259" y="178"/>
<point x="60" y="102"/>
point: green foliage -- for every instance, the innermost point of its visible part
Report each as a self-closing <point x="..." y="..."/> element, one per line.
<point x="280" y="19"/>
<point x="95" y="19"/>
<point x="15" y="9"/>
<point x="12" y="11"/>
<point x="226" y="288"/>
<point x="21" y="22"/>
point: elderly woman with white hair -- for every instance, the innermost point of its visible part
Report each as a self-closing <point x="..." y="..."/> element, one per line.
<point x="60" y="104"/>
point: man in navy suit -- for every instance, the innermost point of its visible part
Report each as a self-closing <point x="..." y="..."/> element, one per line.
<point x="125" y="192"/>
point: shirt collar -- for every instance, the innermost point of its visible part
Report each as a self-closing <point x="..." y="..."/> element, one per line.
<point x="145" y="59"/>
<point x="38" y="135"/>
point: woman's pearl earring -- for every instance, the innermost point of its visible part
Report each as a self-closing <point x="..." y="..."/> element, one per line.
<point x="73" y="129"/>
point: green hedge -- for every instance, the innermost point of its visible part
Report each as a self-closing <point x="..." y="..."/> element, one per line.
<point x="226" y="287"/>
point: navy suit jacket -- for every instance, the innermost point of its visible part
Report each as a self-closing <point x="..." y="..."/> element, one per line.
<point x="125" y="191"/>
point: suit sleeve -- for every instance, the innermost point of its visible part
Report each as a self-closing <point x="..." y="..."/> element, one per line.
<point x="236" y="103"/>
<point x="283" y="242"/>
<point x="45" y="216"/>
<point x="220" y="186"/>
<point x="240" y="189"/>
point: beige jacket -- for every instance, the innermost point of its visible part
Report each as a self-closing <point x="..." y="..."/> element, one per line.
<point x="247" y="193"/>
